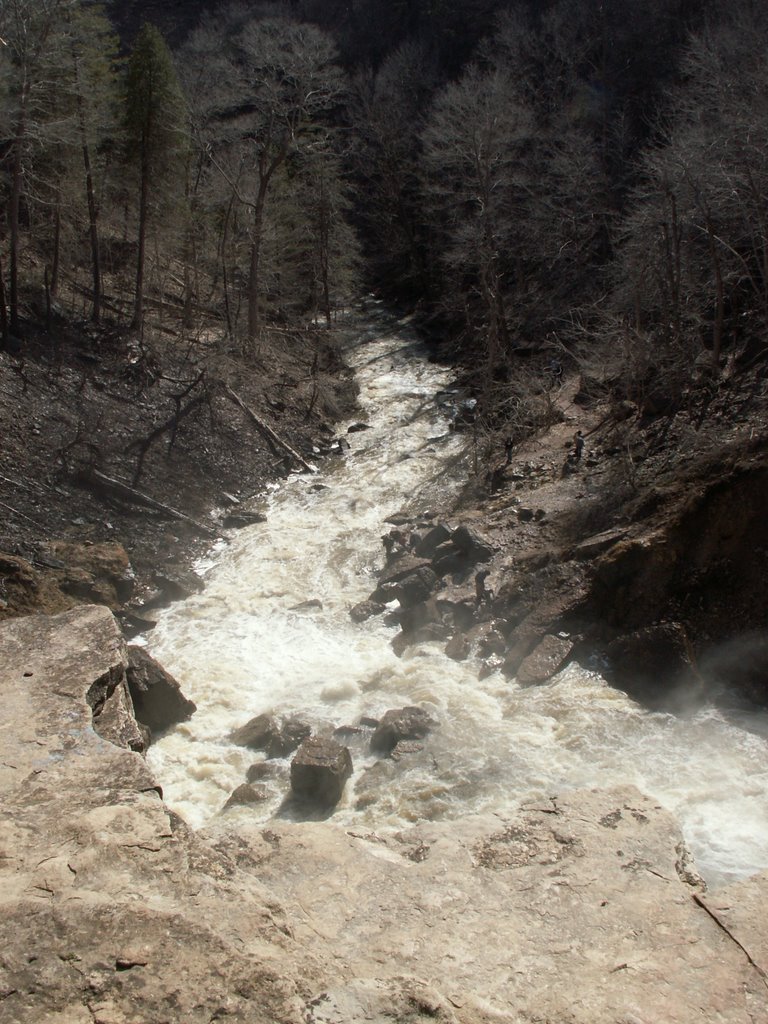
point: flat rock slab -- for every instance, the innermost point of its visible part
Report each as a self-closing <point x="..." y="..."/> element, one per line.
<point x="578" y="909"/>
<point x="110" y="912"/>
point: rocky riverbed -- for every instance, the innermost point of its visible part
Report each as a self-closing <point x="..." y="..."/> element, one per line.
<point x="582" y="908"/>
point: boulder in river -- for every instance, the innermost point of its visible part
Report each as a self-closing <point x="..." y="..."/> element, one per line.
<point x="266" y="732"/>
<point x="398" y="724"/>
<point x="651" y="664"/>
<point x="547" y="658"/>
<point x="366" y="610"/>
<point x="319" y="771"/>
<point x="247" y="794"/>
<point x="158" y="702"/>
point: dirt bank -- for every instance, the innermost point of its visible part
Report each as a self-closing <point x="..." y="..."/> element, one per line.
<point x="105" y="437"/>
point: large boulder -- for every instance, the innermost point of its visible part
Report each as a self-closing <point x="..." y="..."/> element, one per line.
<point x="158" y="702"/>
<point x="547" y="658"/>
<point x="655" y="664"/>
<point x="474" y="547"/>
<point x="431" y="540"/>
<point x="398" y="724"/>
<point x="416" y="587"/>
<point x="246" y="795"/>
<point x="366" y="610"/>
<point x="275" y="736"/>
<point x="414" y="616"/>
<point x="320" y="770"/>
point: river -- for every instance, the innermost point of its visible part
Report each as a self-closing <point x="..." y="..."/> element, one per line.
<point x="245" y="646"/>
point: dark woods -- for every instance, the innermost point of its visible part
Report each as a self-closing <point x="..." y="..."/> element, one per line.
<point x="568" y="180"/>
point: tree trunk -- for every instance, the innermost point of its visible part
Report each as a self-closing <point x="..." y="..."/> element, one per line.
<point x="93" y="215"/>
<point x="54" y="287"/>
<point x="3" y="310"/>
<point x="13" y="208"/>
<point x="255" y="265"/>
<point x="138" y="308"/>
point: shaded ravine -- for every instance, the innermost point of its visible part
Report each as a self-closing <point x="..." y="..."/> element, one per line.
<point x="245" y="646"/>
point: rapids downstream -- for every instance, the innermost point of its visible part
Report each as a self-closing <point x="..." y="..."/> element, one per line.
<point x="245" y="645"/>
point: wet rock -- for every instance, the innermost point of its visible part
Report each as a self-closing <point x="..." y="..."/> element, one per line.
<point x="366" y="610"/>
<point x="398" y="724"/>
<point x="277" y="738"/>
<point x="652" y="663"/>
<point x="247" y="794"/>
<point x="256" y="733"/>
<point x="431" y="540"/>
<point x="320" y="770"/>
<point x="433" y="632"/>
<point x="313" y="605"/>
<point x="490" y="641"/>
<point x="263" y="770"/>
<point x="740" y="664"/>
<point x="291" y="733"/>
<point x="413" y="617"/>
<point x="490" y="665"/>
<point x="237" y="520"/>
<point x="547" y="658"/>
<point x="458" y="647"/>
<point x="415" y="587"/>
<point x="176" y="585"/>
<point x="404" y="748"/>
<point x="157" y="698"/>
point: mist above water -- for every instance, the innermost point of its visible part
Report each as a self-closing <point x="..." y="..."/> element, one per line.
<point x="244" y="646"/>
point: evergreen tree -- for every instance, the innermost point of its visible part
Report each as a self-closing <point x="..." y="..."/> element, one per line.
<point x="156" y="137"/>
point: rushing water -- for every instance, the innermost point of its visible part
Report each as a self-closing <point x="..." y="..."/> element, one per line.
<point x="243" y="647"/>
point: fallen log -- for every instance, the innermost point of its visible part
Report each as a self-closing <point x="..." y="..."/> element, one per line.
<point x="99" y="481"/>
<point x="275" y="440"/>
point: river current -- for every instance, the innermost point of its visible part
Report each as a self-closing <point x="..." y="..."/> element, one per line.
<point x="245" y="645"/>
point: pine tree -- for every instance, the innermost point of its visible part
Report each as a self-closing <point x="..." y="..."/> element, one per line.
<point x="156" y="137"/>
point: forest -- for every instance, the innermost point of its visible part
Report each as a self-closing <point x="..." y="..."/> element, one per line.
<point x="545" y="183"/>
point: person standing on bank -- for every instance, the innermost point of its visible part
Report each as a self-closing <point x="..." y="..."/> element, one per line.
<point x="578" y="445"/>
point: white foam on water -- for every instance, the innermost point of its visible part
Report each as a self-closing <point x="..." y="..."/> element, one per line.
<point x="243" y="647"/>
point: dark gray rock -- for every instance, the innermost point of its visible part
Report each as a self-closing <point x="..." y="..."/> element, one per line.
<point x="416" y="587"/>
<point x="431" y="540"/>
<point x="266" y="732"/>
<point x="458" y="647"/>
<point x="547" y="658"/>
<point x="413" y="617"/>
<point x="256" y="733"/>
<point x="398" y="724"/>
<point x="237" y="520"/>
<point x="366" y="610"/>
<point x="246" y="794"/>
<point x="319" y="771"/>
<point x="158" y="702"/>
<point x="654" y="664"/>
<point x="475" y="547"/>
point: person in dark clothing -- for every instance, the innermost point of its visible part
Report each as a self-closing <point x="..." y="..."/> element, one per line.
<point x="481" y="594"/>
<point x="578" y="445"/>
<point x="508" y="446"/>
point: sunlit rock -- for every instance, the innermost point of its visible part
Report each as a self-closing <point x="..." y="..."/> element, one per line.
<point x="320" y="770"/>
<point x="247" y="794"/>
<point x="409" y="723"/>
<point x="544" y="661"/>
